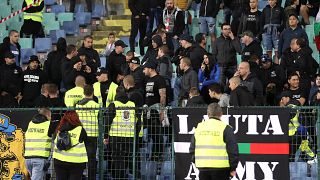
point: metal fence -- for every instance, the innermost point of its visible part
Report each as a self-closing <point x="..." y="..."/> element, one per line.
<point x="141" y="147"/>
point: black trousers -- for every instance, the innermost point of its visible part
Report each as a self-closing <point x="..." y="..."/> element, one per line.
<point x="31" y="28"/>
<point x="138" y="24"/>
<point x="120" y="153"/>
<point x="91" y="146"/>
<point x="68" y="171"/>
<point x="73" y="5"/>
<point x="222" y="174"/>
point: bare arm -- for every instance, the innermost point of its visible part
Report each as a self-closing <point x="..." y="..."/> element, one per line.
<point x="162" y="93"/>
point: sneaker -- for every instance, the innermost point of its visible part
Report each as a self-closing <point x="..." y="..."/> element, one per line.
<point x="312" y="161"/>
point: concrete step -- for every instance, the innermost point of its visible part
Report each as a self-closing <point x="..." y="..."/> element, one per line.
<point x="119" y="22"/>
<point x="110" y="28"/>
<point x="103" y="34"/>
<point x="116" y="17"/>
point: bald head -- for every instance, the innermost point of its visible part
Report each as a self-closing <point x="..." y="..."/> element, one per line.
<point x="244" y="69"/>
<point x="234" y="82"/>
<point x="80" y="81"/>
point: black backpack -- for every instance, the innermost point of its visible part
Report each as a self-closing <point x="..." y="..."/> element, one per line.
<point x="64" y="141"/>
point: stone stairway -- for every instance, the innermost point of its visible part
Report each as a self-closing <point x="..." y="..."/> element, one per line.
<point x="117" y="22"/>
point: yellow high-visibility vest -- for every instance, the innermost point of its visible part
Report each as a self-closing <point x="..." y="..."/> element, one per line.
<point x="210" y="149"/>
<point x="36" y="16"/>
<point x="111" y="93"/>
<point x="77" y="153"/>
<point x="73" y="96"/>
<point x="89" y="118"/>
<point x="37" y="141"/>
<point x="123" y="124"/>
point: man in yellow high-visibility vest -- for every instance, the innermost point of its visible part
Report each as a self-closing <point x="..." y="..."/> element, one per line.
<point x="32" y="24"/>
<point x="214" y="147"/>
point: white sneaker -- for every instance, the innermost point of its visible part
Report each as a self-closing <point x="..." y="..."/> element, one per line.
<point x="314" y="160"/>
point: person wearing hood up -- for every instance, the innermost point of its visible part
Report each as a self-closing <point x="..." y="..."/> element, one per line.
<point x="52" y="66"/>
<point x="251" y="82"/>
<point x="11" y="44"/>
<point x="152" y="52"/>
<point x="10" y="81"/>
<point x="33" y="79"/>
<point x="88" y="50"/>
<point x="239" y="95"/>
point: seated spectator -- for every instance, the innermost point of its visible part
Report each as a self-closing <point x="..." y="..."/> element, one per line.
<point x="195" y="99"/>
<point x="216" y="92"/>
<point x="11" y="43"/>
<point x="152" y="52"/>
<point x="285" y="99"/>
<point x="309" y="8"/>
<point x="250" y="20"/>
<point x="314" y="89"/>
<point x="10" y="84"/>
<point x="252" y="83"/>
<point x="110" y="45"/>
<point x="298" y="59"/>
<point x="251" y="46"/>
<point x="293" y="31"/>
<point x="297" y="91"/>
<point x="271" y="25"/>
<point x="52" y="66"/>
<point x="315" y="100"/>
<point x="88" y="50"/>
<point x="33" y="79"/>
<point x="239" y="96"/>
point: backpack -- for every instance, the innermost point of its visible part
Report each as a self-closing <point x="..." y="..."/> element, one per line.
<point x="64" y="141"/>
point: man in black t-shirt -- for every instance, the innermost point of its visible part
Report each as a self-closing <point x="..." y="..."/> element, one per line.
<point x="297" y="92"/>
<point x="250" y="20"/>
<point x="155" y="100"/>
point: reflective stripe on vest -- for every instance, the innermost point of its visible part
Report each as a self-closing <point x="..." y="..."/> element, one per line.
<point x="36" y="16"/>
<point x="37" y="141"/>
<point x="111" y="93"/>
<point x="89" y="118"/>
<point x="73" y="96"/>
<point x="77" y="153"/>
<point x="123" y="124"/>
<point x="210" y="151"/>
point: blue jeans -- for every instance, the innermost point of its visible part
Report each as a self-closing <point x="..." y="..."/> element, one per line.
<point x="35" y="168"/>
<point x="207" y="24"/>
<point x="270" y="38"/>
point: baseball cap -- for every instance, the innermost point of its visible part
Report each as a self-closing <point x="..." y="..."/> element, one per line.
<point x="101" y="70"/>
<point x="120" y="43"/>
<point x="295" y="15"/>
<point x="34" y="58"/>
<point x="265" y="58"/>
<point x="186" y="37"/>
<point x="9" y="55"/>
<point x="135" y="60"/>
<point x="247" y="33"/>
<point x="150" y="64"/>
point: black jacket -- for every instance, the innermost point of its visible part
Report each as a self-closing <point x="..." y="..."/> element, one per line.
<point x="136" y="95"/>
<point x="273" y="15"/>
<point x="196" y="56"/>
<point x="275" y="74"/>
<point x="231" y="147"/>
<point x="224" y="51"/>
<point x="254" y="48"/>
<point x="91" y="54"/>
<point x="180" y="53"/>
<point x="254" y="86"/>
<point x="241" y="97"/>
<point x="196" y="101"/>
<point x="139" y="78"/>
<point x="52" y="66"/>
<point x="179" y="23"/>
<point x="209" y="8"/>
<point x="5" y="47"/>
<point x="137" y="7"/>
<point x="114" y="64"/>
<point x="32" y="81"/>
<point x="10" y="79"/>
<point x="43" y="101"/>
<point x="243" y="24"/>
<point x="188" y="80"/>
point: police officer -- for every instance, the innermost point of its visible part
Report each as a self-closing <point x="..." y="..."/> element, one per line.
<point x="104" y="89"/>
<point x="75" y="94"/>
<point x="38" y="143"/>
<point x="121" y="128"/>
<point x="32" y="19"/>
<point x="89" y="120"/>
<point x="214" y="147"/>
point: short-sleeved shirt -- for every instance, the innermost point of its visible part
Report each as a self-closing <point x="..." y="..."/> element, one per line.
<point x="298" y="93"/>
<point x="152" y="89"/>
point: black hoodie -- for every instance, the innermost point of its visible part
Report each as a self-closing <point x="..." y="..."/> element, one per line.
<point x="5" y="47"/>
<point x="241" y="97"/>
<point x="52" y="66"/>
<point x="196" y="101"/>
<point x="10" y="79"/>
<point x="255" y="87"/>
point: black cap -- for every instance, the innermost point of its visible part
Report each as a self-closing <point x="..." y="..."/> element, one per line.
<point x="295" y="15"/>
<point x="9" y="55"/>
<point x="150" y="64"/>
<point x="135" y="60"/>
<point x="286" y="94"/>
<point x="101" y="70"/>
<point x="34" y="58"/>
<point x="120" y="43"/>
<point x="247" y="33"/>
<point x="186" y="37"/>
<point x="265" y="58"/>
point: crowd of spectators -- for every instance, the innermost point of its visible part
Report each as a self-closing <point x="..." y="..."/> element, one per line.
<point x="184" y="67"/>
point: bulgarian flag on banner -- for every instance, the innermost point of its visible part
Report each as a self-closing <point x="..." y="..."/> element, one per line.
<point x="263" y="148"/>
